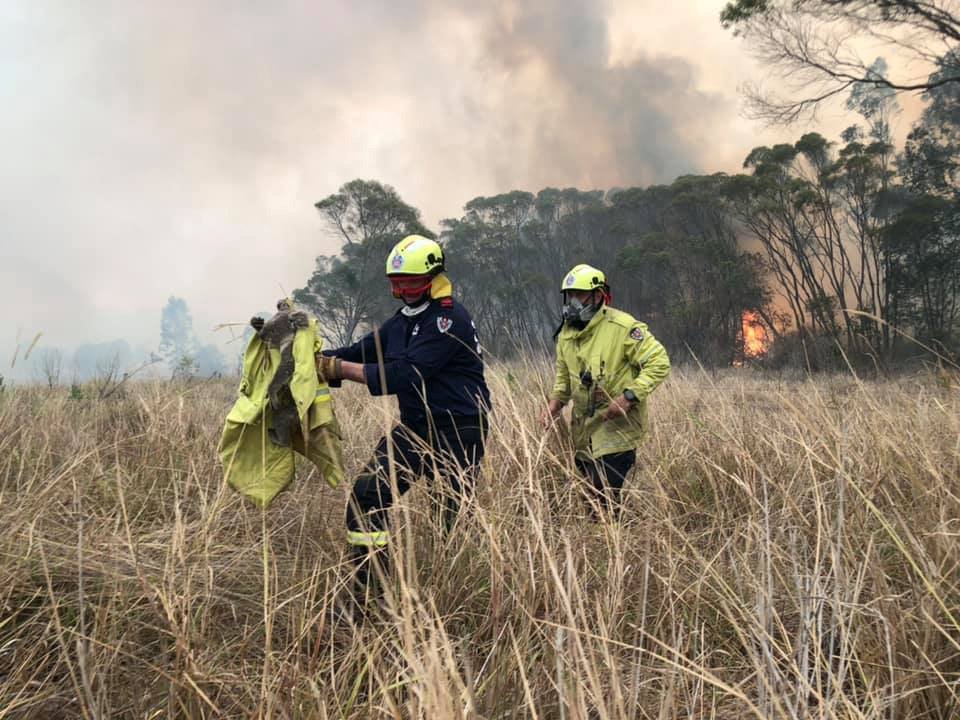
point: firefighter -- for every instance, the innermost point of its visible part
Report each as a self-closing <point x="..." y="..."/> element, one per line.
<point x="608" y="363"/>
<point x="428" y="355"/>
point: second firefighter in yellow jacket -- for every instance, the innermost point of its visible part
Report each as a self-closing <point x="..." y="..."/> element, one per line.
<point x="607" y="363"/>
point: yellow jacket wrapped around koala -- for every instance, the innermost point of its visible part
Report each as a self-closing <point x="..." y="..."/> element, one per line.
<point x="256" y="461"/>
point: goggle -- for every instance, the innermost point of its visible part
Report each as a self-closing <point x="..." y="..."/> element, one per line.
<point x="409" y="285"/>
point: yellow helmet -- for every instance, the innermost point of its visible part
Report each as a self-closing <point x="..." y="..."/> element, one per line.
<point x="415" y="255"/>
<point x="584" y="277"/>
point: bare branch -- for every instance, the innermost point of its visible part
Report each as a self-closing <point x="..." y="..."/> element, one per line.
<point x="810" y="46"/>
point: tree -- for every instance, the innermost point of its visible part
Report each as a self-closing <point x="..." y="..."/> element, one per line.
<point x="176" y="333"/>
<point x="681" y="267"/>
<point x="924" y="245"/>
<point x="812" y="45"/>
<point x="209" y="361"/>
<point x="49" y="365"/>
<point x="511" y="251"/>
<point x="186" y="368"/>
<point x="90" y="360"/>
<point x="347" y="291"/>
<point x="669" y="253"/>
<point x="775" y="205"/>
<point x="923" y="241"/>
<point x="109" y="380"/>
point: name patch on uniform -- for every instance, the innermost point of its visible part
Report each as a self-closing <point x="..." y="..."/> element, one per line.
<point x="444" y="324"/>
<point x="636" y="334"/>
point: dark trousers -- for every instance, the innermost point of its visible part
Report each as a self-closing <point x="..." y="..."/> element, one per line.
<point x="606" y="475"/>
<point x="446" y="448"/>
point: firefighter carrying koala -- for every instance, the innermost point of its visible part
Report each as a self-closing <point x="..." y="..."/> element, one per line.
<point x="429" y="356"/>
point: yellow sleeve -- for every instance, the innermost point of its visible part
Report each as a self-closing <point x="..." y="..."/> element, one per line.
<point x="561" y="382"/>
<point x="650" y="359"/>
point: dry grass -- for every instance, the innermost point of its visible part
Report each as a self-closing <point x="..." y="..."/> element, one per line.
<point x="790" y="550"/>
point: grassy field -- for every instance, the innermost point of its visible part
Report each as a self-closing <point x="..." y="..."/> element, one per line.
<point x="791" y="549"/>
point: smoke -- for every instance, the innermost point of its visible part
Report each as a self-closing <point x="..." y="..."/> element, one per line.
<point x="630" y="124"/>
<point x="158" y="148"/>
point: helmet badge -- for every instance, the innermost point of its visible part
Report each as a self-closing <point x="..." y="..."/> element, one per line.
<point x="397" y="261"/>
<point x="570" y="280"/>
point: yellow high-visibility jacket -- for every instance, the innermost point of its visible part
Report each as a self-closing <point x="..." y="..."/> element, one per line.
<point x="252" y="463"/>
<point x="620" y="353"/>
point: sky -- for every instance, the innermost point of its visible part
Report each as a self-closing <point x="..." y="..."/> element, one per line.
<point x="157" y="149"/>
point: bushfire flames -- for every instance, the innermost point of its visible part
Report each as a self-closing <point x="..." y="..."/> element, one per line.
<point x="755" y="340"/>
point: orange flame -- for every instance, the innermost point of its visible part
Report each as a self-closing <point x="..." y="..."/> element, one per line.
<point x="755" y="339"/>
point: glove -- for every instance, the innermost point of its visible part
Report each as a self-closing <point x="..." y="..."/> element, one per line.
<point x="329" y="368"/>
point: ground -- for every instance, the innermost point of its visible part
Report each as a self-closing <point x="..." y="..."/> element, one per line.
<point x="790" y="549"/>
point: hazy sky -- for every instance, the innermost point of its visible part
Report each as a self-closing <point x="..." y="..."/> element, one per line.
<point x="176" y="148"/>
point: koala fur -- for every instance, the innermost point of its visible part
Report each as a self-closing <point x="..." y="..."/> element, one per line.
<point x="278" y="332"/>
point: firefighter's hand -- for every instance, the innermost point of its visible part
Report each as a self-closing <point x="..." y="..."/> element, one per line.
<point x="617" y="408"/>
<point x="329" y="368"/>
<point x="550" y="413"/>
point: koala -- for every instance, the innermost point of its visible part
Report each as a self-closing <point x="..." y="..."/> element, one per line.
<point x="278" y="332"/>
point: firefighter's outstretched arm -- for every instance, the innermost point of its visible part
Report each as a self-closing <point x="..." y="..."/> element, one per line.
<point x="333" y="368"/>
<point x="430" y="352"/>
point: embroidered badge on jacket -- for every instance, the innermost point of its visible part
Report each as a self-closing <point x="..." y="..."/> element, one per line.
<point x="444" y="324"/>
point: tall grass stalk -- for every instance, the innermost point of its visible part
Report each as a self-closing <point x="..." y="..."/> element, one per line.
<point x="790" y="549"/>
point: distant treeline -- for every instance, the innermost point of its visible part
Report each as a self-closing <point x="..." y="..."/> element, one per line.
<point x="180" y="353"/>
<point x="831" y="244"/>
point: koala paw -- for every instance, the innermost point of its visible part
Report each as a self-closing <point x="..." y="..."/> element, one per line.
<point x="256" y="322"/>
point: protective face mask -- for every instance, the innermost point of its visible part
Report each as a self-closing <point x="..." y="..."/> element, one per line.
<point x="577" y="315"/>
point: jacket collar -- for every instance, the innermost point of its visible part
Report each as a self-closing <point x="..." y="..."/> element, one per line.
<point x="421" y="310"/>
<point x="414" y="311"/>
<point x="441" y="287"/>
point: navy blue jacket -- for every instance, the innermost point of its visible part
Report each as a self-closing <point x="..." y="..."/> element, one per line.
<point x="432" y="362"/>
